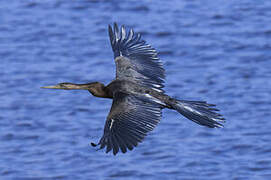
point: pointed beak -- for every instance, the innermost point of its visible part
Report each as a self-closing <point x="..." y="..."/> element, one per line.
<point x="52" y="87"/>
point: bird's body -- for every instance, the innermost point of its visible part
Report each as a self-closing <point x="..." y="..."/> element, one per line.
<point x="132" y="88"/>
<point x="138" y="95"/>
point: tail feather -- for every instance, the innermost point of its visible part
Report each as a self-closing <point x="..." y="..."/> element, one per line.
<point x="200" y="112"/>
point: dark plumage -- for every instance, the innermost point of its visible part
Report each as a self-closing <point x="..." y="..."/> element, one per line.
<point x="138" y="95"/>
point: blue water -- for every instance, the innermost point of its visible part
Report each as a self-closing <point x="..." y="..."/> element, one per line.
<point x="219" y="51"/>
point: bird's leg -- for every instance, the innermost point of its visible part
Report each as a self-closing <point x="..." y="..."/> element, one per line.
<point x="93" y="144"/>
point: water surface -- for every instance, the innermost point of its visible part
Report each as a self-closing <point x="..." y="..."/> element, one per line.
<point x="217" y="51"/>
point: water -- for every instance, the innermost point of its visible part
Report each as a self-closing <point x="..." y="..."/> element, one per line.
<point x="217" y="51"/>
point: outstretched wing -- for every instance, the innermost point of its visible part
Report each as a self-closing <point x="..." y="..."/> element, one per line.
<point x="135" y="60"/>
<point x="130" y="119"/>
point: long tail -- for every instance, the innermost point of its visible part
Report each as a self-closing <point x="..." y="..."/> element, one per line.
<point x="200" y="112"/>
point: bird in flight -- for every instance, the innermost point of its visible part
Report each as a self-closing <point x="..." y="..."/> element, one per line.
<point x="138" y="95"/>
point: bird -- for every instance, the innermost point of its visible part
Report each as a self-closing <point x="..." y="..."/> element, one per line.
<point x="137" y="94"/>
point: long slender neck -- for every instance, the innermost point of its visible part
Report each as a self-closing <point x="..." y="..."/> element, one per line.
<point x="95" y="88"/>
<point x="72" y="86"/>
<point x="99" y="90"/>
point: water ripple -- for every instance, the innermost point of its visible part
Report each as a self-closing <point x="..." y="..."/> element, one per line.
<point x="218" y="51"/>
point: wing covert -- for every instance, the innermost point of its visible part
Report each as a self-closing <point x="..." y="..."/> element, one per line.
<point x="135" y="60"/>
<point x="129" y="121"/>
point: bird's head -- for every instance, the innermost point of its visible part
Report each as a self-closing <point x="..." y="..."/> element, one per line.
<point x="71" y="86"/>
<point x="68" y="86"/>
<point x="95" y="88"/>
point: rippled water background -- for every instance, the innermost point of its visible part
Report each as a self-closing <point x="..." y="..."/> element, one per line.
<point x="219" y="51"/>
